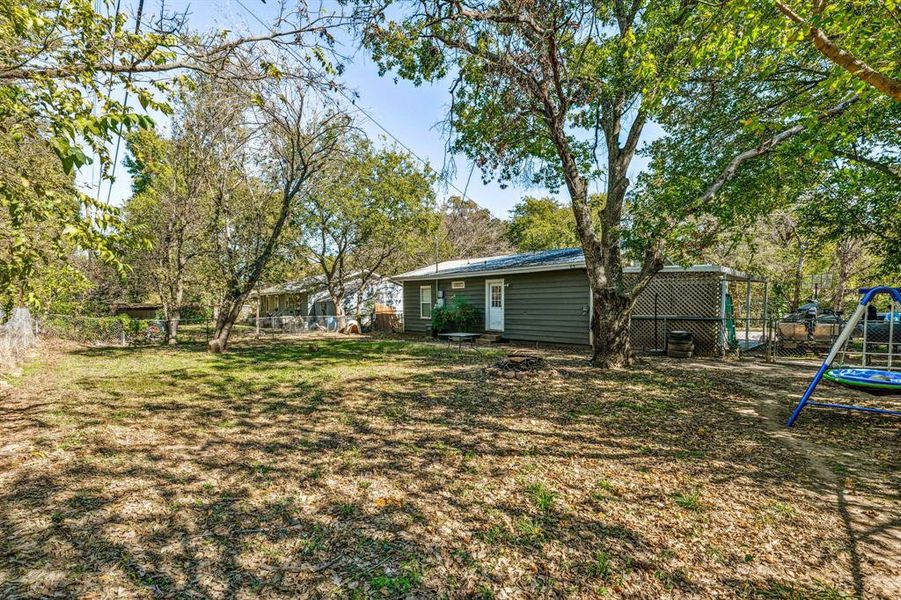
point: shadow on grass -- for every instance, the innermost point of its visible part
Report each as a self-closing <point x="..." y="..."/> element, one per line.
<point x="213" y="475"/>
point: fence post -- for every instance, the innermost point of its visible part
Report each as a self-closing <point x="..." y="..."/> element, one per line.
<point x="748" y="313"/>
<point x="258" y="315"/>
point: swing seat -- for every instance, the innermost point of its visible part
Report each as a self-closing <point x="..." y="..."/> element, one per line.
<point x="877" y="382"/>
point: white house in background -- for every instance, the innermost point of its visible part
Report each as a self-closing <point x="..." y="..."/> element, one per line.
<point x="309" y="297"/>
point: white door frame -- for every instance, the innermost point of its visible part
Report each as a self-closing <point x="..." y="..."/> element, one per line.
<point x="488" y="284"/>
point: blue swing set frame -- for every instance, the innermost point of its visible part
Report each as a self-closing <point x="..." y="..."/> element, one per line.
<point x="868" y="295"/>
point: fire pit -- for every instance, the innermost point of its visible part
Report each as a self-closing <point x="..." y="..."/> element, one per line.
<point x="516" y="365"/>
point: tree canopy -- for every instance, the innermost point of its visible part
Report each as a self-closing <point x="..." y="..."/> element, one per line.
<point x="368" y="218"/>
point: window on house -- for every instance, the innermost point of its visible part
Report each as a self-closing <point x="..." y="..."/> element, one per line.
<point x="496" y="298"/>
<point x="425" y="302"/>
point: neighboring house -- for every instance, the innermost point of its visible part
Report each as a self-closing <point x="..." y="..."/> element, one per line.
<point x="309" y="297"/>
<point x="137" y="310"/>
<point x="544" y="297"/>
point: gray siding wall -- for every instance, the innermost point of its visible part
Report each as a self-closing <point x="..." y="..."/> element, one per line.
<point x="474" y="293"/>
<point x="546" y="307"/>
<point x="553" y="307"/>
<point x="412" y="322"/>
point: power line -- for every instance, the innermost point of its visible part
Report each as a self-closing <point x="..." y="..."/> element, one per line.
<point x="442" y="176"/>
<point x="109" y="192"/>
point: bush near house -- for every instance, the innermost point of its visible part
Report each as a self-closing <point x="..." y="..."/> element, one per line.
<point x="459" y="315"/>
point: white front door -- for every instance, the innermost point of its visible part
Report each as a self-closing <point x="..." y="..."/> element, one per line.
<point x="494" y="305"/>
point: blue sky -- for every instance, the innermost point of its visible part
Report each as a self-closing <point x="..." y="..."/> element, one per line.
<point x="410" y="113"/>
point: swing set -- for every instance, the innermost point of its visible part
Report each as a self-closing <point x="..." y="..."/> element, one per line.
<point x="879" y="373"/>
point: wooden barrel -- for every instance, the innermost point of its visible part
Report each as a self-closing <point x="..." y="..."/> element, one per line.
<point x="680" y="344"/>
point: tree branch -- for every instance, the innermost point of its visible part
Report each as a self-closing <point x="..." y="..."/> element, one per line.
<point x="766" y="147"/>
<point x="843" y="58"/>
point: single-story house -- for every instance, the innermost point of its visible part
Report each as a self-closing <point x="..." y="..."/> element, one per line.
<point x="309" y="297"/>
<point x="544" y="297"/>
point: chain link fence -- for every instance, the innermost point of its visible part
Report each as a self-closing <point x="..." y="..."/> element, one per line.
<point x="745" y="337"/>
<point x="125" y="331"/>
<point x="17" y="336"/>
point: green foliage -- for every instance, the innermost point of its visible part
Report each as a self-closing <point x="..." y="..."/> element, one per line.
<point x="59" y="289"/>
<point x="398" y="583"/>
<point x="55" y="111"/>
<point x="755" y="79"/>
<point x="542" y="496"/>
<point x="64" y="65"/>
<point x="600" y="565"/>
<point x="689" y="500"/>
<point x="92" y="329"/>
<point x="865" y="30"/>
<point x="371" y="214"/>
<point x="44" y="219"/>
<point x="541" y="224"/>
<point x="545" y="224"/>
<point x="857" y="202"/>
<point x="57" y="82"/>
<point x="719" y="78"/>
<point x="458" y="315"/>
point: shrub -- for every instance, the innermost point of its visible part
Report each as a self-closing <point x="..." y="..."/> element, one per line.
<point x="459" y="315"/>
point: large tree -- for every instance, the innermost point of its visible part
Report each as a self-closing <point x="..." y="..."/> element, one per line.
<point x="374" y="210"/>
<point x="466" y="230"/>
<point x="860" y="37"/>
<point x="64" y="65"/>
<point x="559" y="93"/>
<point x="172" y="183"/>
<point x="541" y="224"/>
<point x="275" y="155"/>
<point x="555" y="93"/>
<point x="544" y="224"/>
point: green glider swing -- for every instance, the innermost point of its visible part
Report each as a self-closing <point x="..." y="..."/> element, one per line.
<point x="878" y="373"/>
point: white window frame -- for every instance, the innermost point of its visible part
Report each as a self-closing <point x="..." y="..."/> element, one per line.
<point x="421" y="301"/>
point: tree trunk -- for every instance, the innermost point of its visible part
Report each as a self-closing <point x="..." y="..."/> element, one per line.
<point x="228" y="313"/>
<point x="172" y="326"/>
<point x="845" y="254"/>
<point x="340" y="313"/>
<point x="610" y="328"/>
<point x="799" y="276"/>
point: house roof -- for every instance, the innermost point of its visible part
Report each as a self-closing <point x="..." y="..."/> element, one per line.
<point x="530" y="262"/>
<point x="297" y="286"/>
<point x="314" y="285"/>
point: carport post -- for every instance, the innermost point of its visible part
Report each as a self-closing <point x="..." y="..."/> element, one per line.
<point x="724" y="336"/>
<point x="748" y="312"/>
<point x="767" y="331"/>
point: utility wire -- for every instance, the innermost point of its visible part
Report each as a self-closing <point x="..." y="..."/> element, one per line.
<point x="109" y="192"/>
<point x="442" y="176"/>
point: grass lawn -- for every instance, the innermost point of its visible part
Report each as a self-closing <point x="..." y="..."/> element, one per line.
<point x="392" y="469"/>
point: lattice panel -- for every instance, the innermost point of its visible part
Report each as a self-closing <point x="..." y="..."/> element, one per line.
<point x="706" y="334"/>
<point x="682" y="294"/>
